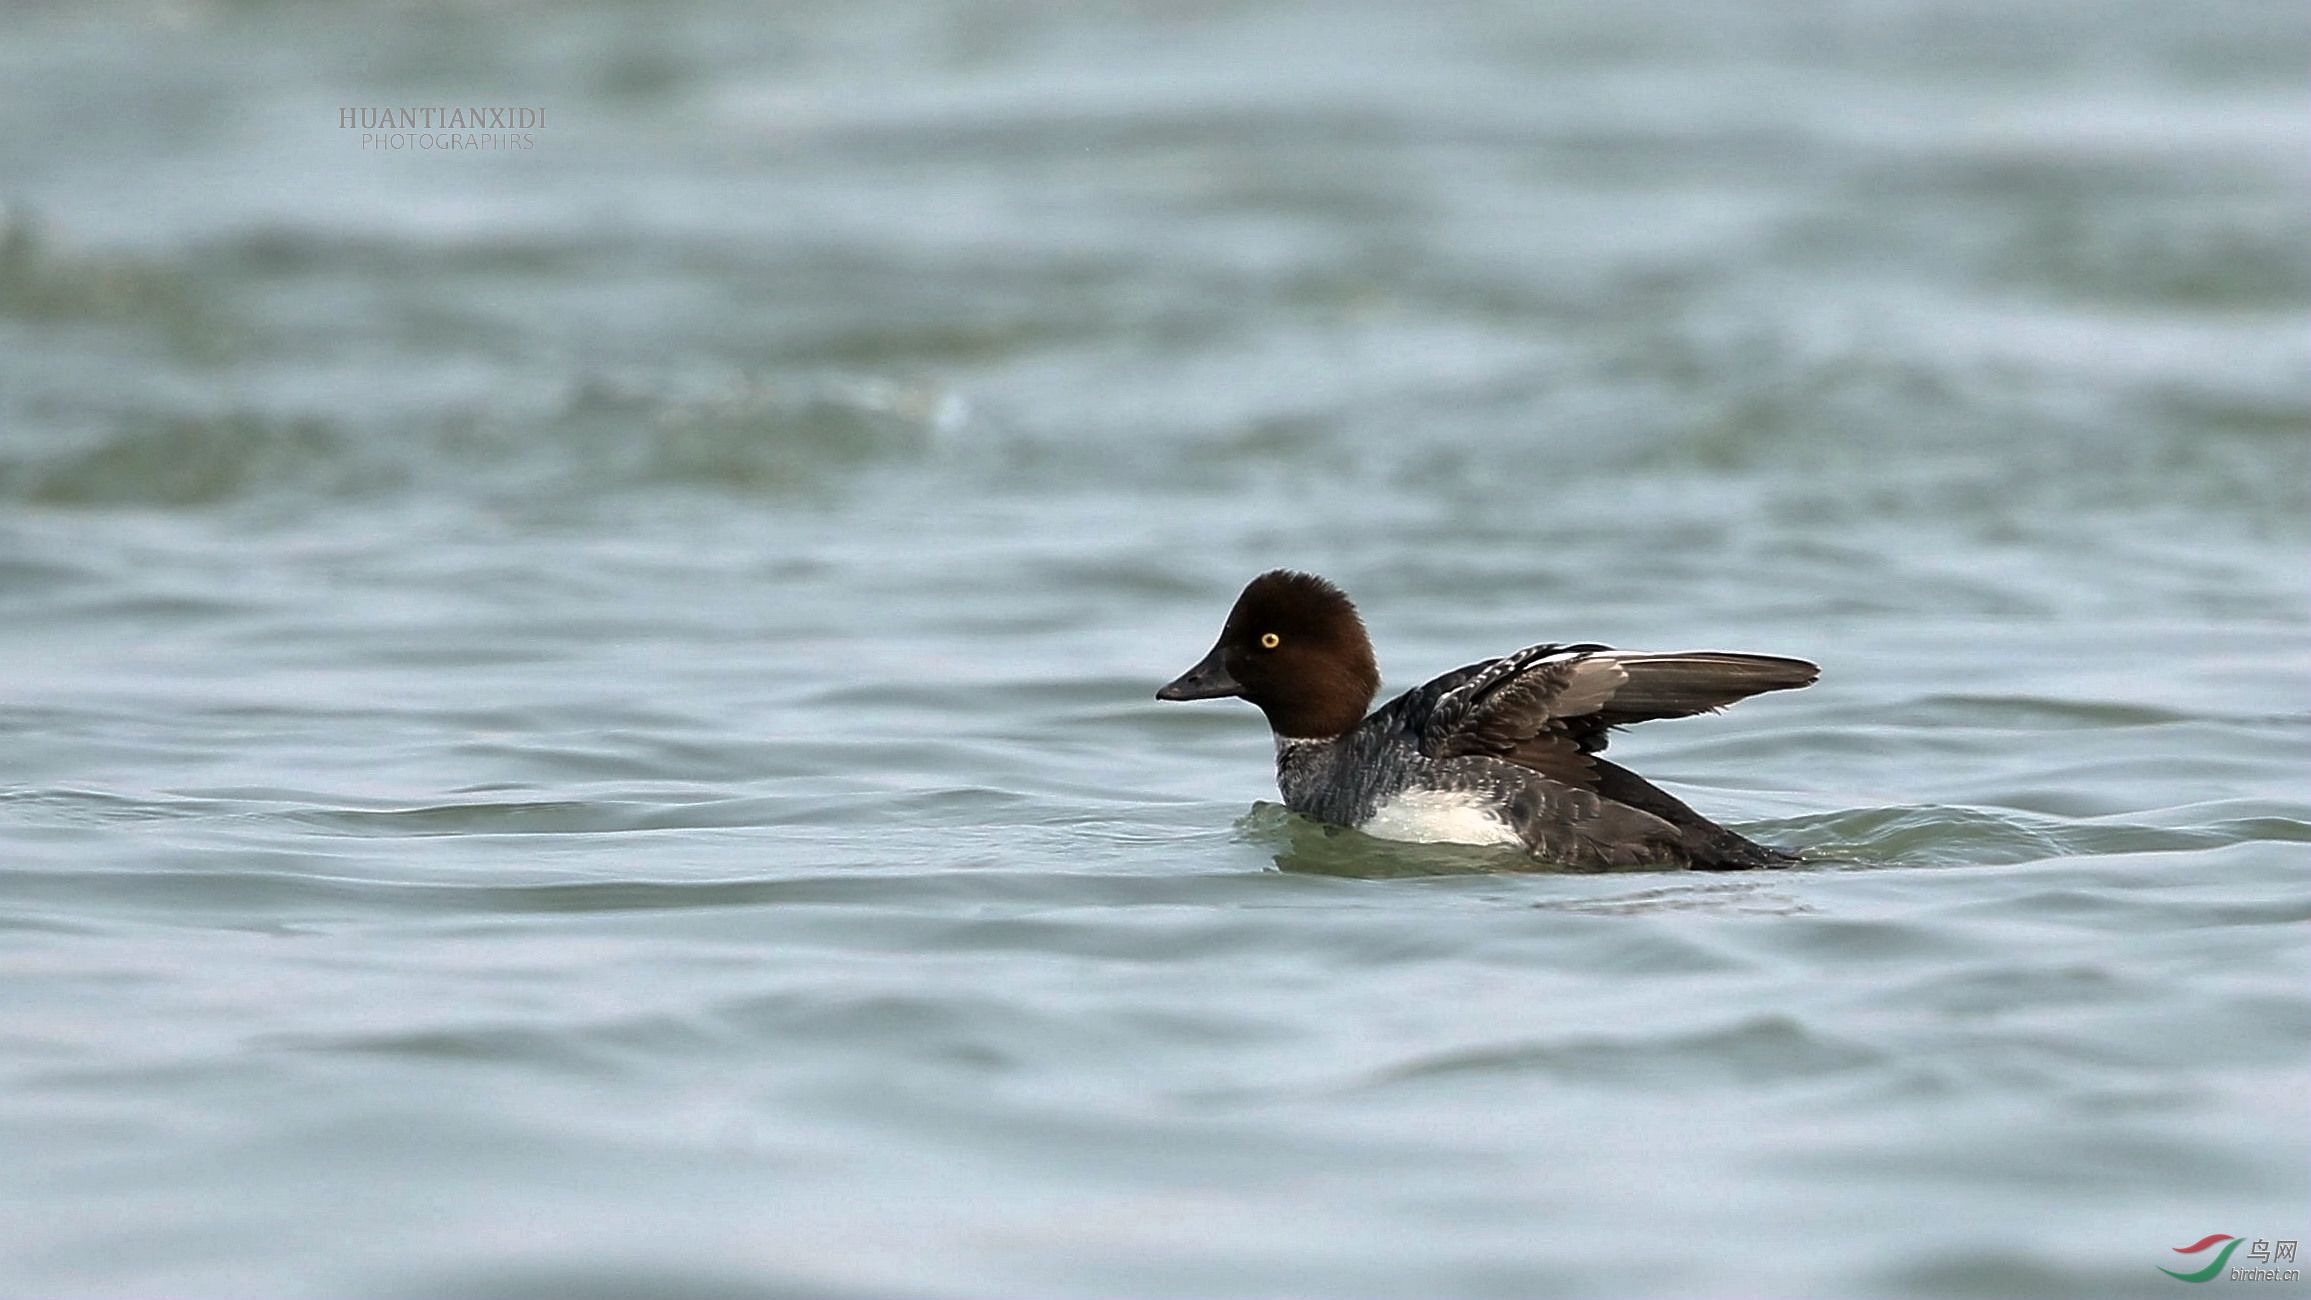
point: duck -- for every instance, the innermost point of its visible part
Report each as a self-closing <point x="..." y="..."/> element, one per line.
<point x="1506" y="751"/>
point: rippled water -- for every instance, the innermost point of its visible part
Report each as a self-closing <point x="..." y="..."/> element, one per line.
<point x="577" y="719"/>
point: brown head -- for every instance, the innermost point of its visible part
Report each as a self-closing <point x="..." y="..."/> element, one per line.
<point x="1294" y="646"/>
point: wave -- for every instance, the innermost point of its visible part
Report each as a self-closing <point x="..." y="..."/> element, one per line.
<point x="748" y="436"/>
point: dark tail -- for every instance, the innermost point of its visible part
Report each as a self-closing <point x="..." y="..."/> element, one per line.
<point x="1708" y="846"/>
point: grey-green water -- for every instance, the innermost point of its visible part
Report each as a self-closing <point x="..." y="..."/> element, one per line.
<point x="577" y="719"/>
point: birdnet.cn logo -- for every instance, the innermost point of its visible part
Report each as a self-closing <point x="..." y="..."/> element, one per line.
<point x="2264" y="1259"/>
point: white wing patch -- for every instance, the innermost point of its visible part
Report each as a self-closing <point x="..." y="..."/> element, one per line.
<point x="1440" y="817"/>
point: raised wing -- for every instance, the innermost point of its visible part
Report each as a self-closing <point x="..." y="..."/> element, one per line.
<point x="1682" y="683"/>
<point x="1548" y="707"/>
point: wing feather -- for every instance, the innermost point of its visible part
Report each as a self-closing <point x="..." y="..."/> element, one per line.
<point x="1547" y="707"/>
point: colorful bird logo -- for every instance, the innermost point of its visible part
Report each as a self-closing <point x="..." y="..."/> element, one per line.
<point x="2208" y="1273"/>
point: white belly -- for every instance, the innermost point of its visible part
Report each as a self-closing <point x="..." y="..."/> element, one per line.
<point x="1439" y="817"/>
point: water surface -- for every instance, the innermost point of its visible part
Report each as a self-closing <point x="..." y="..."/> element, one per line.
<point x="578" y="718"/>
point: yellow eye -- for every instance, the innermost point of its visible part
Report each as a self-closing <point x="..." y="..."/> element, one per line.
<point x="1269" y="640"/>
